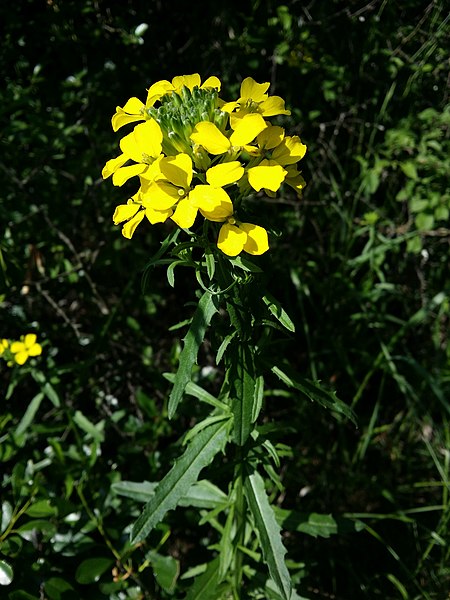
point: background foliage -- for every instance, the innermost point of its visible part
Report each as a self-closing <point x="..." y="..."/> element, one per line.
<point x="361" y="266"/>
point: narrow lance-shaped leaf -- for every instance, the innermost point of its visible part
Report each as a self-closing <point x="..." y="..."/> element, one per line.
<point x="205" y="585"/>
<point x="244" y="396"/>
<point x="278" y="312"/>
<point x="313" y="391"/>
<point x="188" y="357"/>
<point x="269" y="533"/>
<point x="181" y="477"/>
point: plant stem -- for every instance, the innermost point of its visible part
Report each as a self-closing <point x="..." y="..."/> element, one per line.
<point x="239" y="523"/>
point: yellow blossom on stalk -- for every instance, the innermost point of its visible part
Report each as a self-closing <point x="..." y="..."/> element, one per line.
<point x="196" y="155"/>
<point x="26" y="347"/>
<point x="234" y="237"/>
<point x="143" y="146"/>
<point x="254" y="98"/>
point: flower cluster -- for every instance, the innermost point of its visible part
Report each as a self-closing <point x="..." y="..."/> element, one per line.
<point x="18" y="352"/>
<point x="191" y="150"/>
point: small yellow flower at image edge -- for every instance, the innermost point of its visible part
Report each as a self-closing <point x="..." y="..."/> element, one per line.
<point x="197" y="154"/>
<point x="25" y="348"/>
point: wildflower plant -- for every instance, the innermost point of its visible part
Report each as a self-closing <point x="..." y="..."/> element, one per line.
<point x="17" y="352"/>
<point x="202" y="163"/>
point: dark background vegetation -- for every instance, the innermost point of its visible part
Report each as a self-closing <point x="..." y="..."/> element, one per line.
<point x="361" y="267"/>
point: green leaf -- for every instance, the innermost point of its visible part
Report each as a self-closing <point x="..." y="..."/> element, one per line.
<point x="204" y="494"/>
<point x="259" y="394"/>
<point x="424" y="221"/>
<point x="22" y="595"/>
<point x="409" y="169"/>
<point x="192" y="389"/>
<point x="243" y="394"/>
<point x="29" y="414"/>
<point x="269" y="533"/>
<point x="59" y="589"/>
<point x="210" y="264"/>
<point x="166" y="570"/>
<point x="91" y="569"/>
<point x="165" y="245"/>
<point x="314" y="392"/>
<point x="7" y="511"/>
<point x="141" y="492"/>
<point x="314" y="524"/>
<point x="40" y="509"/>
<point x="181" y="477"/>
<point x="224" y="345"/>
<point x="202" y="318"/>
<point x="6" y="573"/>
<point x="45" y="527"/>
<point x="278" y="312"/>
<point x="245" y="264"/>
<point x="94" y="431"/>
<point x="205" y="585"/>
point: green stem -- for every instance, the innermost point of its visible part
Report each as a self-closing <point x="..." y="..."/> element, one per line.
<point x="239" y="516"/>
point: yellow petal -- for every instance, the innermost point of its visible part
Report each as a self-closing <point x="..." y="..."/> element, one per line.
<point x="185" y="214"/>
<point x="274" y="105"/>
<point x="250" y="90"/>
<point x="21" y="357"/>
<point x="190" y="81"/>
<point x="209" y="136"/>
<point x="271" y="137"/>
<point x="228" y="107"/>
<point x="145" y="140"/>
<point x="257" y="239"/>
<point x="247" y="129"/>
<point x="125" y="173"/>
<point x="30" y="339"/>
<point x="295" y="180"/>
<point x="231" y="239"/>
<point x="161" y="195"/>
<point x="113" y="164"/>
<point x="290" y="151"/>
<point x="18" y="347"/>
<point x="130" y="226"/>
<point x="132" y="111"/>
<point x="35" y="350"/>
<point x="214" y="203"/>
<point x="178" y="170"/>
<point x="157" y="216"/>
<point x="211" y="82"/>
<point x="152" y="171"/>
<point x="225" y="173"/>
<point x="119" y="119"/>
<point x="124" y="212"/>
<point x="266" y="176"/>
<point x="157" y="91"/>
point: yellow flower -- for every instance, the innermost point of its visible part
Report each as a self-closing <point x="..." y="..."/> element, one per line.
<point x="3" y="345"/>
<point x="289" y="151"/>
<point x="268" y="175"/>
<point x="245" y="130"/>
<point x="133" y="110"/>
<point x="143" y="145"/>
<point x="133" y="212"/>
<point x="234" y="237"/>
<point x="254" y="98"/>
<point x="25" y="348"/>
